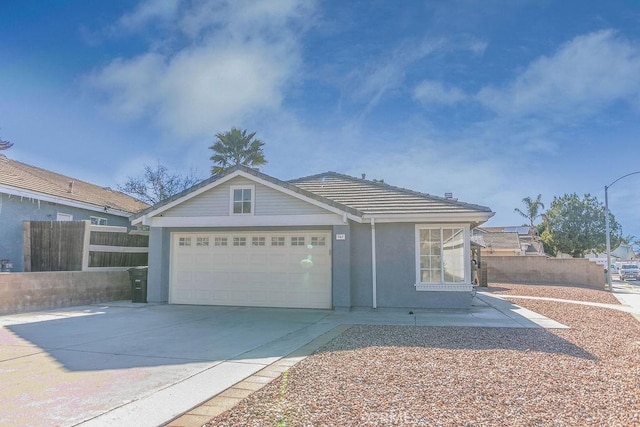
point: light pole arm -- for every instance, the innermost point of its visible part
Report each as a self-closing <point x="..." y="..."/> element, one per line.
<point x="607" y="227"/>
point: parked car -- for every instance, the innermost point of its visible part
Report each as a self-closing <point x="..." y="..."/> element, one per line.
<point x="629" y="272"/>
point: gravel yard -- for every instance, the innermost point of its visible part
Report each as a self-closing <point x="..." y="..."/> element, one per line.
<point x="588" y="375"/>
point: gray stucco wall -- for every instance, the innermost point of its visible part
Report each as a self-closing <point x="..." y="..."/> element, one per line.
<point x="395" y="271"/>
<point x="341" y="267"/>
<point x="361" y="274"/>
<point x="14" y="210"/>
<point x="351" y="268"/>
<point x="159" y="260"/>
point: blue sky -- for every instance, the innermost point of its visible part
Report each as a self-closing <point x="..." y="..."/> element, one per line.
<point x="493" y="100"/>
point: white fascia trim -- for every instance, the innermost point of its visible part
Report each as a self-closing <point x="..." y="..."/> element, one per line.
<point x="444" y="287"/>
<point x="61" y="201"/>
<point x="246" y="221"/>
<point x="253" y="178"/>
<point x="186" y="197"/>
<point x="430" y="218"/>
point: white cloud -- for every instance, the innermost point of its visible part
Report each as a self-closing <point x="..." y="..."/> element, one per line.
<point x="430" y="92"/>
<point x="146" y="12"/>
<point x="238" y="59"/>
<point x="583" y="76"/>
<point x="385" y="74"/>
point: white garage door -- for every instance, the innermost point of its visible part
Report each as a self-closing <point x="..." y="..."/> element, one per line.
<point x="268" y="269"/>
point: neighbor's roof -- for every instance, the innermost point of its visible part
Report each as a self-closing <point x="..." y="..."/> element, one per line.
<point x="377" y="198"/>
<point x="31" y="179"/>
<point x="501" y="240"/>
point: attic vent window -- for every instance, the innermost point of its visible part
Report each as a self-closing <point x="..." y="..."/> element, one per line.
<point x="242" y="199"/>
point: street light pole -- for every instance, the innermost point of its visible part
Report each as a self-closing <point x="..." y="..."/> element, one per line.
<point x="606" y="226"/>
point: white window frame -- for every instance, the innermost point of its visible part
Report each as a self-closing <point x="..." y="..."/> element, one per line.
<point x="260" y="241"/>
<point x="98" y="220"/>
<point x="232" y="189"/>
<point x="466" y="285"/>
<point x="220" y="241"/>
<point x="239" y="241"/>
<point x="64" y="217"/>
<point x="296" y="242"/>
<point x="202" y="241"/>
<point x="280" y="241"/>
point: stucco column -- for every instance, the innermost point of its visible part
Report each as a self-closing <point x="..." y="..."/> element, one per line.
<point x="341" y="267"/>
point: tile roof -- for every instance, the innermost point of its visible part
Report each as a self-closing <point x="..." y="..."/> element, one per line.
<point x="354" y="196"/>
<point x="501" y="240"/>
<point x="376" y="198"/>
<point x="30" y="178"/>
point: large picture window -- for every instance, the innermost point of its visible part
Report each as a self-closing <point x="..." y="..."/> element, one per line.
<point x="441" y="255"/>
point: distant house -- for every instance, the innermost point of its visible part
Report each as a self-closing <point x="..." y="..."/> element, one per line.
<point x="508" y="241"/>
<point x="244" y="238"/>
<point x="31" y="193"/>
<point x="622" y="253"/>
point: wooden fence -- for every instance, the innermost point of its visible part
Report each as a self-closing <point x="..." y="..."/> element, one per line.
<point x="81" y="246"/>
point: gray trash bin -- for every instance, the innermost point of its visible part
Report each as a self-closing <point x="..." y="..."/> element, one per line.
<point x="138" y="277"/>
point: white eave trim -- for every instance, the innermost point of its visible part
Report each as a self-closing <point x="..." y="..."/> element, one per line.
<point x="246" y="221"/>
<point x="18" y="192"/>
<point x="151" y="215"/>
<point x="442" y="218"/>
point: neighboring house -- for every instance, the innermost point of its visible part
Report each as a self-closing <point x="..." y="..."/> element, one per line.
<point x="622" y="253"/>
<point x="243" y="238"/>
<point x="508" y="241"/>
<point x="31" y="193"/>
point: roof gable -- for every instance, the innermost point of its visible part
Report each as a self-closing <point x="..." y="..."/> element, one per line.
<point x="252" y="175"/>
<point x="21" y="179"/>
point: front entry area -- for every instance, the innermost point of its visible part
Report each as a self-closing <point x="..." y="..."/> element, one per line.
<point x="252" y="268"/>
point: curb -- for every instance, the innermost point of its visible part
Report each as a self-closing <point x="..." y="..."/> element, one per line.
<point x="222" y="402"/>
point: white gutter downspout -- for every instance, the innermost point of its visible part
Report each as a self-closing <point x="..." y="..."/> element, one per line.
<point x="373" y="262"/>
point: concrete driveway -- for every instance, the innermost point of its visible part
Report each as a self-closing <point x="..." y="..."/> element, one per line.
<point x="144" y="364"/>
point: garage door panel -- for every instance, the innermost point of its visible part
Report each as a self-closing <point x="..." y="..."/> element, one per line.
<point x="239" y="259"/>
<point x="268" y="271"/>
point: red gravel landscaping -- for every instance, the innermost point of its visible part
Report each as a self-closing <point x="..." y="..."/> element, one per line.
<point x="588" y="375"/>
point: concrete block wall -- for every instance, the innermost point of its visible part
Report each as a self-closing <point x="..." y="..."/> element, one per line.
<point x="542" y="270"/>
<point x="21" y="292"/>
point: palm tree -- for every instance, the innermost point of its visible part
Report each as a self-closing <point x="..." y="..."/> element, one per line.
<point x="5" y="145"/>
<point x="236" y="147"/>
<point x="532" y="210"/>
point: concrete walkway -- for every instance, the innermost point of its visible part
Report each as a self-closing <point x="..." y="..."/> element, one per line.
<point x="629" y="296"/>
<point x="145" y="364"/>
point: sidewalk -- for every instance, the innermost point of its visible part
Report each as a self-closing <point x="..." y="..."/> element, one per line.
<point x="628" y="294"/>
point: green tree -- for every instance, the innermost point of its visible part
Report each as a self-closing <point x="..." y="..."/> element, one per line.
<point x="157" y="184"/>
<point x="576" y="226"/>
<point x="236" y="147"/>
